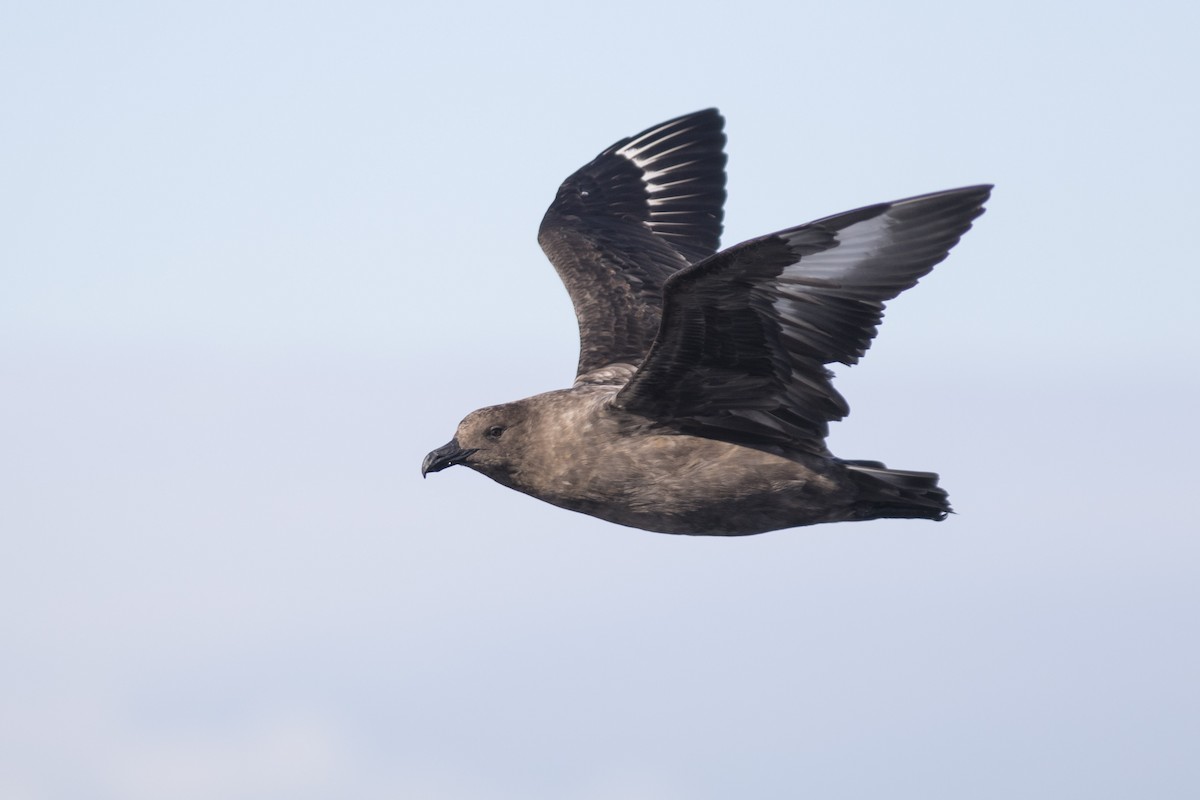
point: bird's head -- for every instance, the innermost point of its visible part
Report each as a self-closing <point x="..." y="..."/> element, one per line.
<point x="487" y="440"/>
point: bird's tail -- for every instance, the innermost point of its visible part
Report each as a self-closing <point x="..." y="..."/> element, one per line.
<point x="897" y="493"/>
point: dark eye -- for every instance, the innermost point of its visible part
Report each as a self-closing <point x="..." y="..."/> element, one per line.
<point x="495" y="431"/>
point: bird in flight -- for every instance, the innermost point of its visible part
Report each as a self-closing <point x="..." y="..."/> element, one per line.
<point x="702" y="400"/>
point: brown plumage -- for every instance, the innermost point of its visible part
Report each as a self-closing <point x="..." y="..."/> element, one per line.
<point x="702" y="401"/>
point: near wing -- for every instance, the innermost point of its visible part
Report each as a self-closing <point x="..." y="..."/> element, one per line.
<point x="641" y="210"/>
<point x="746" y="333"/>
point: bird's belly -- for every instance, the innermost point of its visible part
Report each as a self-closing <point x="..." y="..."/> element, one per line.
<point x="688" y="485"/>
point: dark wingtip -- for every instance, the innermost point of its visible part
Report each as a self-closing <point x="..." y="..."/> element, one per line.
<point x="670" y="177"/>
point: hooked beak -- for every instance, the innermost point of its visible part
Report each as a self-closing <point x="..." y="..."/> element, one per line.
<point x="447" y="455"/>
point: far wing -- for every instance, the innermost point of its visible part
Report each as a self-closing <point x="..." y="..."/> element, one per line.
<point x="746" y="333"/>
<point x="643" y="209"/>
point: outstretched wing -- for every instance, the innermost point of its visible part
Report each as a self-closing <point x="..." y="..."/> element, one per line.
<point x="746" y="333"/>
<point x="643" y="209"/>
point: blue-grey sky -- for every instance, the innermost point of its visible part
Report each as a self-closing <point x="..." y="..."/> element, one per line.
<point x="257" y="258"/>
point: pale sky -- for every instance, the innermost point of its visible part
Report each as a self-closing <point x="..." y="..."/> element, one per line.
<point x="259" y="258"/>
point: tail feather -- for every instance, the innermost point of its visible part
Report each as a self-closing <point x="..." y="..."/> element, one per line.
<point x="897" y="493"/>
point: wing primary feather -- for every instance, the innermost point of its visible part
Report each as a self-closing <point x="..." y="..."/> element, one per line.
<point x="746" y="333"/>
<point x="621" y="225"/>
